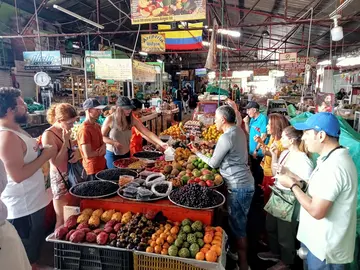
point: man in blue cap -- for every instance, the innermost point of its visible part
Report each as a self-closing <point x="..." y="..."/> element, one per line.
<point x="328" y="208"/>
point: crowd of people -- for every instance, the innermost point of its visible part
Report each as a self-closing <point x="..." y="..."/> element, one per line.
<point x="260" y="157"/>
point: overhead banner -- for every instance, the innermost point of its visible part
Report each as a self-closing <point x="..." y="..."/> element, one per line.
<point x="261" y="72"/>
<point x="143" y="72"/>
<point x="145" y="11"/>
<point x="46" y="60"/>
<point x="92" y="55"/>
<point x="287" y="58"/>
<point x="151" y="43"/>
<point x="113" y="69"/>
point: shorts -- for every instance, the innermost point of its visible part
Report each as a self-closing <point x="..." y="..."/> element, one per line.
<point x="239" y="201"/>
<point x="58" y="186"/>
<point x="111" y="157"/>
<point x="12" y="252"/>
<point x="31" y="229"/>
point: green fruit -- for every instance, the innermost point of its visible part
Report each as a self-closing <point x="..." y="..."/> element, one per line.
<point x="184" y="253"/>
<point x="186" y="245"/>
<point x="187" y="229"/>
<point x="194" y="248"/>
<point x="185" y="222"/>
<point x="182" y="236"/>
<point x="185" y="178"/>
<point x="209" y="177"/>
<point x="199" y="235"/>
<point x="206" y="166"/>
<point x="178" y="243"/>
<point x="173" y="250"/>
<point x="197" y="226"/>
<point x="195" y="163"/>
<point x="196" y="173"/>
<point x="191" y="238"/>
<point x="214" y="170"/>
<point x="200" y="243"/>
<point x="200" y="166"/>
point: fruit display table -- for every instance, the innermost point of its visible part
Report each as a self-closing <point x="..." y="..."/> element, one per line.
<point x="169" y="210"/>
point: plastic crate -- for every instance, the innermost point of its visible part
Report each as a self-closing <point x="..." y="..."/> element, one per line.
<point x="150" y="261"/>
<point x="80" y="257"/>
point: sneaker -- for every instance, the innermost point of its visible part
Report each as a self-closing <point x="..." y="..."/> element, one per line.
<point x="232" y="255"/>
<point x="268" y="256"/>
<point x="279" y="266"/>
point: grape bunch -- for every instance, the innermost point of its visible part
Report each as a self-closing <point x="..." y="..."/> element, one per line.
<point x="196" y="196"/>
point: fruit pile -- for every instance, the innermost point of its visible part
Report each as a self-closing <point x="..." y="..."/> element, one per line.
<point x="196" y="196"/>
<point x="182" y="154"/>
<point x="211" y="134"/>
<point x="191" y="172"/>
<point x="174" y="131"/>
<point x="187" y="240"/>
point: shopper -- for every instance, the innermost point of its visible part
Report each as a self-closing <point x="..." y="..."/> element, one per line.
<point x="185" y="99"/>
<point x="255" y="125"/>
<point x="277" y="123"/>
<point x="62" y="118"/>
<point x="24" y="196"/>
<point x="327" y="225"/>
<point x="12" y="254"/>
<point x="177" y="99"/>
<point x="116" y="132"/>
<point x="136" y="141"/>
<point x="281" y="231"/>
<point x="90" y="140"/>
<point x="230" y="155"/>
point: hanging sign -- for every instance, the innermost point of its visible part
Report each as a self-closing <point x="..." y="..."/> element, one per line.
<point x="143" y="72"/>
<point x="287" y="58"/>
<point x="145" y="11"/>
<point x="46" y="60"/>
<point x="90" y="57"/>
<point x="113" y="69"/>
<point x="261" y="72"/>
<point x="153" y="43"/>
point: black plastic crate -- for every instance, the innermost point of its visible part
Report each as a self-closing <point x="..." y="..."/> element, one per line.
<point x="78" y="257"/>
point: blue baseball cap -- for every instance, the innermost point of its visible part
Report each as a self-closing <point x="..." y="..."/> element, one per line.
<point x="323" y="121"/>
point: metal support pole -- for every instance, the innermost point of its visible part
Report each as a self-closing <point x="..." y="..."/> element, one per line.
<point x="37" y="10"/>
<point x="98" y="11"/>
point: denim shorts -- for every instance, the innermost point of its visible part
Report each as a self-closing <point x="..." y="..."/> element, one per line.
<point x="111" y="157"/>
<point x="239" y="201"/>
<point x="313" y="263"/>
<point x="31" y="230"/>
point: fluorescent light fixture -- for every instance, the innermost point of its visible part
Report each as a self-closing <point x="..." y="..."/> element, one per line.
<point x="227" y="32"/>
<point x="76" y="46"/>
<point x="212" y="75"/>
<point x="78" y="17"/>
<point x="349" y="61"/>
<point x="143" y="53"/>
<point x="160" y="61"/>
<point x="324" y="63"/>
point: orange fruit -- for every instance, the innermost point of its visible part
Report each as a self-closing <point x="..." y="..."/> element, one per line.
<point x="204" y="250"/>
<point x="168" y="226"/>
<point x="208" y="238"/>
<point x="160" y="241"/>
<point x="170" y="239"/>
<point x="208" y="229"/>
<point x="153" y="244"/>
<point x="166" y="246"/>
<point x="177" y="223"/>
<point x="211" y="256"/>
<point x="218" y="234"/>
<point x="218" y="229"/>
<point x="200" y="256"/>
<point x="150" y="249"/>
<point x="149" y="242"/>
<point x="154" y="237"/>
<point x="174" y="236"/>
<point x="218" y="238"/>
<point x="216" y="242"/>
<point x="174" y="230"/>
<point x="217" y="249"/>
<point x="163" y="236"/>
<point x="164" y="252"/>
<point x="208" y="246"/>
<point x="158" y="249"/>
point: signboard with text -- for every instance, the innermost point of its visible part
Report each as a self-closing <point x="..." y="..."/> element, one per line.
<point x="287" y="58"/>
<point x="153" y="43"/>
<point x="92" y="55"/>
<point x="143" y="72"/>
<point x="46" y="60"/>
<point x="145" y="11"/>
<point x="113" y="69"/>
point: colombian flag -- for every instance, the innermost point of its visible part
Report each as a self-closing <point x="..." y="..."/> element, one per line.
<point x="182" y="40"/>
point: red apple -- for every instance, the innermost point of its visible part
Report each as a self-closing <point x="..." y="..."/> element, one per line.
<point x="189" y="174"/>
<point x="191" y="182"/>
<point x="209" y="183"/>
<point x="202" y="183"/>
<point x="197" y="179"/>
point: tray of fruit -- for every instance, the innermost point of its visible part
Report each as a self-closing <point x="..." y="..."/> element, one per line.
<point x="196" y="197"/>
<point x="94" y="189"/>
<point x="148" y="155"/>
<point x="114" y="174"/>
<point x="130" y="163"/>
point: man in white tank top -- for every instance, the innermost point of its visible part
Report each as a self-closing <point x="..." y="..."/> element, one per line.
<point x="24" y="195"/>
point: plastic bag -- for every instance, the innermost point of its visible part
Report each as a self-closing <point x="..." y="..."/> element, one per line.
<point x="169" y="154"/>
<point x="154" y="178"/>
<point x="169" y="184"/>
